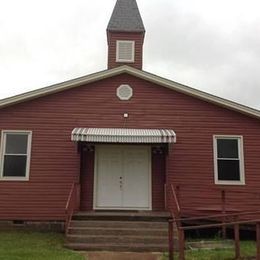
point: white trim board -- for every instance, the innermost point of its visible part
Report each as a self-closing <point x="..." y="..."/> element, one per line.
<point x="139" y="74"/>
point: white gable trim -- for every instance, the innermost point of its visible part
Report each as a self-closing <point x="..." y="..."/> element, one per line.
<point x="137" y="73"/>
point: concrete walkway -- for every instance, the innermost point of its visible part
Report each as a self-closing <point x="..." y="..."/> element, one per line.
<point x="122" y="256"/>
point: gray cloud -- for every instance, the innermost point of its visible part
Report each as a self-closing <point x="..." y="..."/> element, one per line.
<point x="209" y="57"/>
<point x="199" y="44"/>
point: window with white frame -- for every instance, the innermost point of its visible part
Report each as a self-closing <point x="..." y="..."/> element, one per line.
<point x="125" y="51"/>
<point x="15" y="155"/>
<point x="228" y="160"/>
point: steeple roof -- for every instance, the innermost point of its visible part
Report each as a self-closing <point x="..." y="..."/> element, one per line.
<point x="126" y="17"/>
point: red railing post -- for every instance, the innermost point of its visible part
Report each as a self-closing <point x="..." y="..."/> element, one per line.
<point x="237" y="241"/>
<point x="181" y="244"/>
<point x="171" y="239"/>
<point x="258" y="241"/>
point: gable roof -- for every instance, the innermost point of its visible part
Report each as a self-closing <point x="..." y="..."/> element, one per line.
<point x="126" y="17"/>
<point x="137" y="73"/>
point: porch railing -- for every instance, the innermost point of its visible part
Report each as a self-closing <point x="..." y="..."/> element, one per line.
<point x="221" y="220"/>
<point x="71" y="205"/>
<point x="235" y="223"/>
<point x="175" y="211"/>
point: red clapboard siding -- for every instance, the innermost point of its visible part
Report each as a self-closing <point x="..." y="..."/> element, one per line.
<point x="87" y="180"/>
<point x="113" y="37"/>
<point x="55" y="162"/>
<point x="158" y="181"/>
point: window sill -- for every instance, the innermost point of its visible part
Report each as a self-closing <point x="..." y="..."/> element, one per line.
<point x="231" y="183"/>
<point x="14" y="179"/>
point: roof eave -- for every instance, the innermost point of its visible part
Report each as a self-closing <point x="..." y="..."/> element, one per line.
<point x="134" y="72"/>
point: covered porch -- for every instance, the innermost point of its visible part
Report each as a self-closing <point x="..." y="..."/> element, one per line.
<point x="123" y="169"/>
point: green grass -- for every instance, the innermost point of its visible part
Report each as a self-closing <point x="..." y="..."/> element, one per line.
<point x="18" y="245"/>
<point x="248" y="250"/>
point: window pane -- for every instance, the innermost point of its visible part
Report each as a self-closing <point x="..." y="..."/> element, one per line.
<point x="16" y="144"/>
<point x="228" y="170"/>
<point x="14" y="166"/>
<point x="227" y="148"/>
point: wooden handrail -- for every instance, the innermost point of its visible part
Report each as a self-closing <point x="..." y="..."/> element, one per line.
<point x="70" y="206"/>
<point x="221" y="224"/>
<point x="236" y="225"/>
<point x="177" y="219"/>
<point x="195" y="187"/>
<point x="174" y="216"/>
<point x="220" y="215"/>
<point x="176" y="199"/>
<point x="70" y="196"/>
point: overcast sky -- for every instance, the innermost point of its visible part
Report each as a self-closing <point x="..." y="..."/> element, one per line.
<point x="211" y="45"/>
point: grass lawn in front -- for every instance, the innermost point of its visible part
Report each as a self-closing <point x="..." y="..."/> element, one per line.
<point x="21" y="245"/>
<point x="248" y="251"/>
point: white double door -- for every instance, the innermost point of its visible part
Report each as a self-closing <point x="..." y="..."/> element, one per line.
<point x="122" y="177"/>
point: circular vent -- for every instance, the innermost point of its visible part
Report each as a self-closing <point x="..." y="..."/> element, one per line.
<point x="124" y="92"/>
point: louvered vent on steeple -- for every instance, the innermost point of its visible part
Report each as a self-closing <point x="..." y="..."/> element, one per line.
<point x="125" y="51"/>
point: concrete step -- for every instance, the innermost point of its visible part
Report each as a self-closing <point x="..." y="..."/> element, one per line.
<point x="93" y="239"/>
<point x="119" y="247"/>
<point x="123" y="216"/>
<point x="119" y="224"/>
<point x="117" y="231"/>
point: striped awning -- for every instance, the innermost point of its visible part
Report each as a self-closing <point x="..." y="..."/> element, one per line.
<point x="123" y="135"/>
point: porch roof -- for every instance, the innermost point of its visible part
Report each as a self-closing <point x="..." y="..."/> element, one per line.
<point x="123" y="135"/>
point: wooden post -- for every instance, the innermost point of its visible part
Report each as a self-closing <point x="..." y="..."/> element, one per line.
<point x="181" y="244"/>
<point x="258" y="241"/>
<point x="237" y="241"/>
<point x="223" y="200"/>
<point x="171" y="239"/>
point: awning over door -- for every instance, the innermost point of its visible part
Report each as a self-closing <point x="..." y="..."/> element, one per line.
<point x="123" y="135"/>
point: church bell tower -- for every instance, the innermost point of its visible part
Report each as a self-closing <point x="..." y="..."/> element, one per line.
<point x="125" y="35"/>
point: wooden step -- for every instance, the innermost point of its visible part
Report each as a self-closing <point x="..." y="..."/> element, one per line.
<point x="93" y="239"/>
<point x="118" y="231"/>
<point x="123" y="216"/>
<point x="122" y="247"/>
<point x="119" y="224"/>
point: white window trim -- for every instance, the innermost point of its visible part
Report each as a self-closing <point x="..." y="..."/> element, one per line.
<point x="241" y="159"/>
<point x="28" y="161"/>
<point x="117" y="52"/>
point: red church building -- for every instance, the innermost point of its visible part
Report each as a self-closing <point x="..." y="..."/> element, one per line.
<point x="114" y="141"/>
